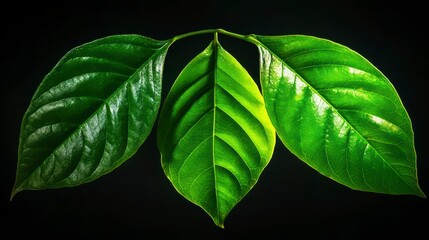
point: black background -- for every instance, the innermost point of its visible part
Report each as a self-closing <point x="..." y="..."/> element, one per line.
<point x="290" y="201"/>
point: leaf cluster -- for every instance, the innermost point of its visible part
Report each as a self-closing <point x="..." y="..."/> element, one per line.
<point x="217" y="130"/>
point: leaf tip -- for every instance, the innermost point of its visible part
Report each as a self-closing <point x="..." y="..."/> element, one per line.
<point x="15" y="189"/>
<point x="220" y="224"/>
<point x="421" y="194"/>
<point x="417" y="191"/>
<point x="12" y="194"/>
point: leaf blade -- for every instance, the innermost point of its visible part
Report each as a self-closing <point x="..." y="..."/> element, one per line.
<point x="352" y="126"/>
<point x="214" y="135"/>
<point x="91" y="112"/>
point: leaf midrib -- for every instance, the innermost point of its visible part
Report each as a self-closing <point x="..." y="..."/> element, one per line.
<point x="215" y="45"/>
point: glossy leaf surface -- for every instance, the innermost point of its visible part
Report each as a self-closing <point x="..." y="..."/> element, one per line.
<point x="338" y="113"/>
<point x="91" y="112"/>
<point x="214" y="133"/>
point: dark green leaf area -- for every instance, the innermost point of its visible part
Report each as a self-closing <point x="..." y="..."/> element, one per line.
<point x="338" y="113"/>
<point x="91" y="112"/>
<point x="214" y="133"/>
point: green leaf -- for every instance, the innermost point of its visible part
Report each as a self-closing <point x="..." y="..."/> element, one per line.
<point x="214" y="133"/>
<point x="338" y="113"/>
<point x="91" y="112"/>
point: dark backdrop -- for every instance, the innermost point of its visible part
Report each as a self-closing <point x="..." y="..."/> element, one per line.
<point x="136" y="200"/>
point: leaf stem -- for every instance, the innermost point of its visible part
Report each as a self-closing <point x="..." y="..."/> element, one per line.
<point x="185" y="35"/>
<point x="247" y="38"/>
